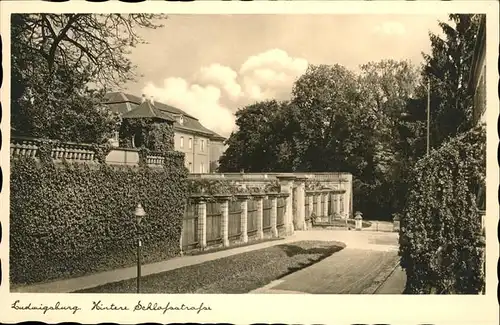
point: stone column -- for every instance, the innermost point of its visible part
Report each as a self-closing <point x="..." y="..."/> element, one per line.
<point x="342" y="204"/>
<point x="325" y="206"/>
<point x="347" y="192"/>
<point x="274" y="213"/>
<point x="337" y="203"/>
<point x="300" y="218"/>
<point x="243" y="198"/>
<point x="202" y="221"/>
<point x="284" y="196"/>
<point x="334" y="206"/>
<point x="259" y="199"/>
<point x="286" y="184"/>
<point x="311" y="203"/>
<point x="224" y="210"/>
<point x="318" y="203"/>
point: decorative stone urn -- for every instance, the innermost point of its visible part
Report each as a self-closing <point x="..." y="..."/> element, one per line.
<point x="358" y="220"/>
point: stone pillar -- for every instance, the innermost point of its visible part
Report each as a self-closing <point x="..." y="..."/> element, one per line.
<point x="224" y="210"/>
<point x="243" y="198"/>
<point x="300" y="218"/>
<point x="325" y="206"/>
<point x="318" y="204"/>
<point x="334" y="206"/>
<point x="259" y="199"/>
<point x="311" y="203"/>
<point x="286" y="185"/>
<point x="347" y="192"/>
<point x="274" y="214"/>
<point x="202" y="221"/>
<point x="337" y="202"/>
<point x="343" y="204"/>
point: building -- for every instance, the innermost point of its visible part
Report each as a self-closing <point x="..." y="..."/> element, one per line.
<point x="477" y="77"/>
<point x="202" y="146"/>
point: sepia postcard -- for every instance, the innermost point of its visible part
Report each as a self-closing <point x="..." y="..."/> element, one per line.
<point x="315" y="162"/>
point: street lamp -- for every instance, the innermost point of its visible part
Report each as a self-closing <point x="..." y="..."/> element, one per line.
<point x="139" y="214"/>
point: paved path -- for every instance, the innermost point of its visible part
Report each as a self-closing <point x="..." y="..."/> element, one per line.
<point x="395" y="284"/>
<point x="359" y="268"/>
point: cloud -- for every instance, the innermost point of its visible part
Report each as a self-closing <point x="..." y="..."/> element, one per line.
<point x="216" y="91"/>
<point x="203" y="102"/>
<point x="270" y="74"/>
<point x="222" y="76"/>
<point x="390" y="28"/>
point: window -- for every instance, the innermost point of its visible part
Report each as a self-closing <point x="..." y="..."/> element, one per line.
<point x="202" y="145"/>
<point x="181" y="120"/>
<point x="190" y="143"/>
<point x="190" y="167"/>
<point x="182" y="142"/>
<point x="202" y="168"/>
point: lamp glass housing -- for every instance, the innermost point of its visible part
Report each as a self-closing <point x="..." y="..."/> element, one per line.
<point x="139" y="213"/>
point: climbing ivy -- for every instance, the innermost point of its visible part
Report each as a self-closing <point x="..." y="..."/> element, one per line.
<point x="440" y="234"/>
<point x="149" y="133"/>
<point x="68" y="220"/>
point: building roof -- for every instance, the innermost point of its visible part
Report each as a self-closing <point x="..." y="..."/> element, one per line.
<point x="122" y="103"/>
<point x="147" y="110"/>
<point x="479" y="48"/>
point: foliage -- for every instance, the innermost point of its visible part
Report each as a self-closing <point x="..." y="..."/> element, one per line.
<point x="273" y="186"/>
<point x="61" y="107"/>
<point x="55" y="60"/>
<point x="101" y="152"/>
<point x="212" y="187"/>
<point x="335" y="121"/>
<point x="256" y="137"/>
<point x="313" y="185"/>
<point x="147" y="132"/>
<point x="69" y="220"/>
<point x="441" y="212"/>
<point x="96" y="43"/>
<point x="448" y="67"/>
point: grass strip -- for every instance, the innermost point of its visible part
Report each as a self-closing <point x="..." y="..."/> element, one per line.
<point x="239" y="273"/>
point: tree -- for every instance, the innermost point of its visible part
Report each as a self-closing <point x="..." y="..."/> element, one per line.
<point x="387" y="88"/>
<point x="96" y="44"/>
<point x="55" y="60"/>
<point x="335" y="121"/>
<point x="327" y="99"/>
<point x="251" y="147"/>
<point x="447" y="67"/>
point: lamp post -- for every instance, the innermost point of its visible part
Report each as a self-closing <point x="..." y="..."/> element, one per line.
<point x="139" y="214"/>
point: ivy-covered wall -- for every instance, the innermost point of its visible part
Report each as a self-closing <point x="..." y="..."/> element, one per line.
<point x="68" y="220"/>
<point x="149" y="133"/>
<point x="440" y="234"/>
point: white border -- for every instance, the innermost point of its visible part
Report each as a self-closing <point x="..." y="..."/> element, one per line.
<point x="275" y="308"/>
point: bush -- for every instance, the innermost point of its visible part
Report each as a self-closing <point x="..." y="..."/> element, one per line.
<point x="441" y="216"/>
<point x="69" y="220"/>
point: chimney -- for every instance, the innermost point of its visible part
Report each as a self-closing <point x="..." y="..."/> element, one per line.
<point x="143" y="98"/>
<point x="152" y="100"/>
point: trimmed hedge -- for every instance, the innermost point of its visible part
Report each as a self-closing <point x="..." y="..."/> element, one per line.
<point x="69" y="220"/>
<point x="440" y="234"/>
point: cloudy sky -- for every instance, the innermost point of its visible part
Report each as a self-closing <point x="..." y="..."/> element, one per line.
<point x="211" y="65"/>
